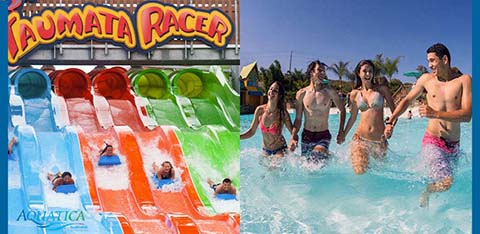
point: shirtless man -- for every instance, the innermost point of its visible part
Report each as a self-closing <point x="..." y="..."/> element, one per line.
<point x="314" y="102"/>
<point x="224" y="187"/>
<point x="449" y="98"/>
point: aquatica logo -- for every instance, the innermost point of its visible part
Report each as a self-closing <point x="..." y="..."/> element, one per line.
<point x="153" y="24"/>
<point x="53" y="220"/>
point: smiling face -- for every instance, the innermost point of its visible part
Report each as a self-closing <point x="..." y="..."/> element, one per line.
<point x="273" y="91"/>
<point x="166" y="167"/>
<point x="436" y="64"/>
<point x="67" y="179"/>
<point x="318" y="74"/>
<point x="227" y="186"/>
<point x="366" y="72"/>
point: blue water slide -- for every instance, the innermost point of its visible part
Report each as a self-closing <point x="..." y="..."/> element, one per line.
<point x="29" y="159"/>
<point x="17" y="205"/>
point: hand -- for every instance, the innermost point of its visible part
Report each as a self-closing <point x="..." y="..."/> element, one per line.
<point x="388" y="131"/>
<point x="340" y="137"/>
<point x="427" y="111"/>
<point x="293" y="143"/>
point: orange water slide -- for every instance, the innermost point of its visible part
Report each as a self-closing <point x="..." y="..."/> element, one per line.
<point x="129" y="202"/>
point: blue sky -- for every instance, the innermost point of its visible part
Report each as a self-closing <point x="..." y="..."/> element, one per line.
<point x="334" y="30"/>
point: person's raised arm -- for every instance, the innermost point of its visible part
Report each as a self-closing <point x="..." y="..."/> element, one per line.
<point x="353" y="112"/>
<point x="12" y="142"/>
<point x="173" y="173"/>
<point x="253" y="127"/>
<point x="464" y="114"/>
<point x="411" y="96"/>
<point x="403" y="105"/>
<point x="336" y="100"/>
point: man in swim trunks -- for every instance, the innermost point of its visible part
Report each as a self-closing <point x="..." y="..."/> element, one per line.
<point x="314" y="102"/>
<point x="225" y="187"/>
<point x="449" y="98"/>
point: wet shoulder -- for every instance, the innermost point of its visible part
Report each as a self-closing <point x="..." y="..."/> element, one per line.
<point x="353" y="94"/>
<point x="301" y="93"/>
<point x="260" y="109"/>
<point x="465" y="78"/>
<point x="426" y="77"/>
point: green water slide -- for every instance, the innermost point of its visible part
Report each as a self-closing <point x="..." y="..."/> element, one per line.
<point x="207" y="113"/>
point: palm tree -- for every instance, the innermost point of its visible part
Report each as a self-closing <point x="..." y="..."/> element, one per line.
<point x="422" y="69"/>
<point x="351" y="77"/>
<point x="340" y="70"/>
<point x="273" y="73"/>
<point x="391" y="67"/>
<point x="276" y="71"/>
<point x="379" y="65"/>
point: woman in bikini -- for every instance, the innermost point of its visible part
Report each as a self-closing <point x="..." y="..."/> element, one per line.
<point x="270" y="118"/>
<point x="368" y="97"/>
<point x="166" y="171"/>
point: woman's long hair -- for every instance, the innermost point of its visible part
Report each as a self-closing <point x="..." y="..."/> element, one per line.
<point x="356" y="72"/>
<point x="171" y="167"/>
<point x="281" y="105"/>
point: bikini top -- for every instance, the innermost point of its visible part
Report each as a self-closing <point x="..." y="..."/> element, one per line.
<point x="273" y="129"/>
<point x="377" y="102"/>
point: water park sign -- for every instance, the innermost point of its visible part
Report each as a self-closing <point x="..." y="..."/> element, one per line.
<point x="152" y="24"/>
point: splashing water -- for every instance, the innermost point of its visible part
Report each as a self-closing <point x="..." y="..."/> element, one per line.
<point x="295" y="196"/>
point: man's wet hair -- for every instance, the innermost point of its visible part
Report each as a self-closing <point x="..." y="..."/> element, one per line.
<point x="66" y="174"/>
<point x="227" y="180"/>
<point x="312" y="65"/>
<point x="440" y="50"/>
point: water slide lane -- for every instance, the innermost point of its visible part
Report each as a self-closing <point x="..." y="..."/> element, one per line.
<point x="24" y="193"/>
<point x="214" y="102"/>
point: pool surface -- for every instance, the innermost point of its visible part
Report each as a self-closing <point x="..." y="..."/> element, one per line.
<point x="299" y="197"/>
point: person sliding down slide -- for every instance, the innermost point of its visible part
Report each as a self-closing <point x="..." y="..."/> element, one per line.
<point x="60" y="179"/>
<point x="222" y="188"/>
<point x="107" y="157"/>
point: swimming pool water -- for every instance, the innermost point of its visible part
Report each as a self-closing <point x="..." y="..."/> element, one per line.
<point x="301" y="198"/>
